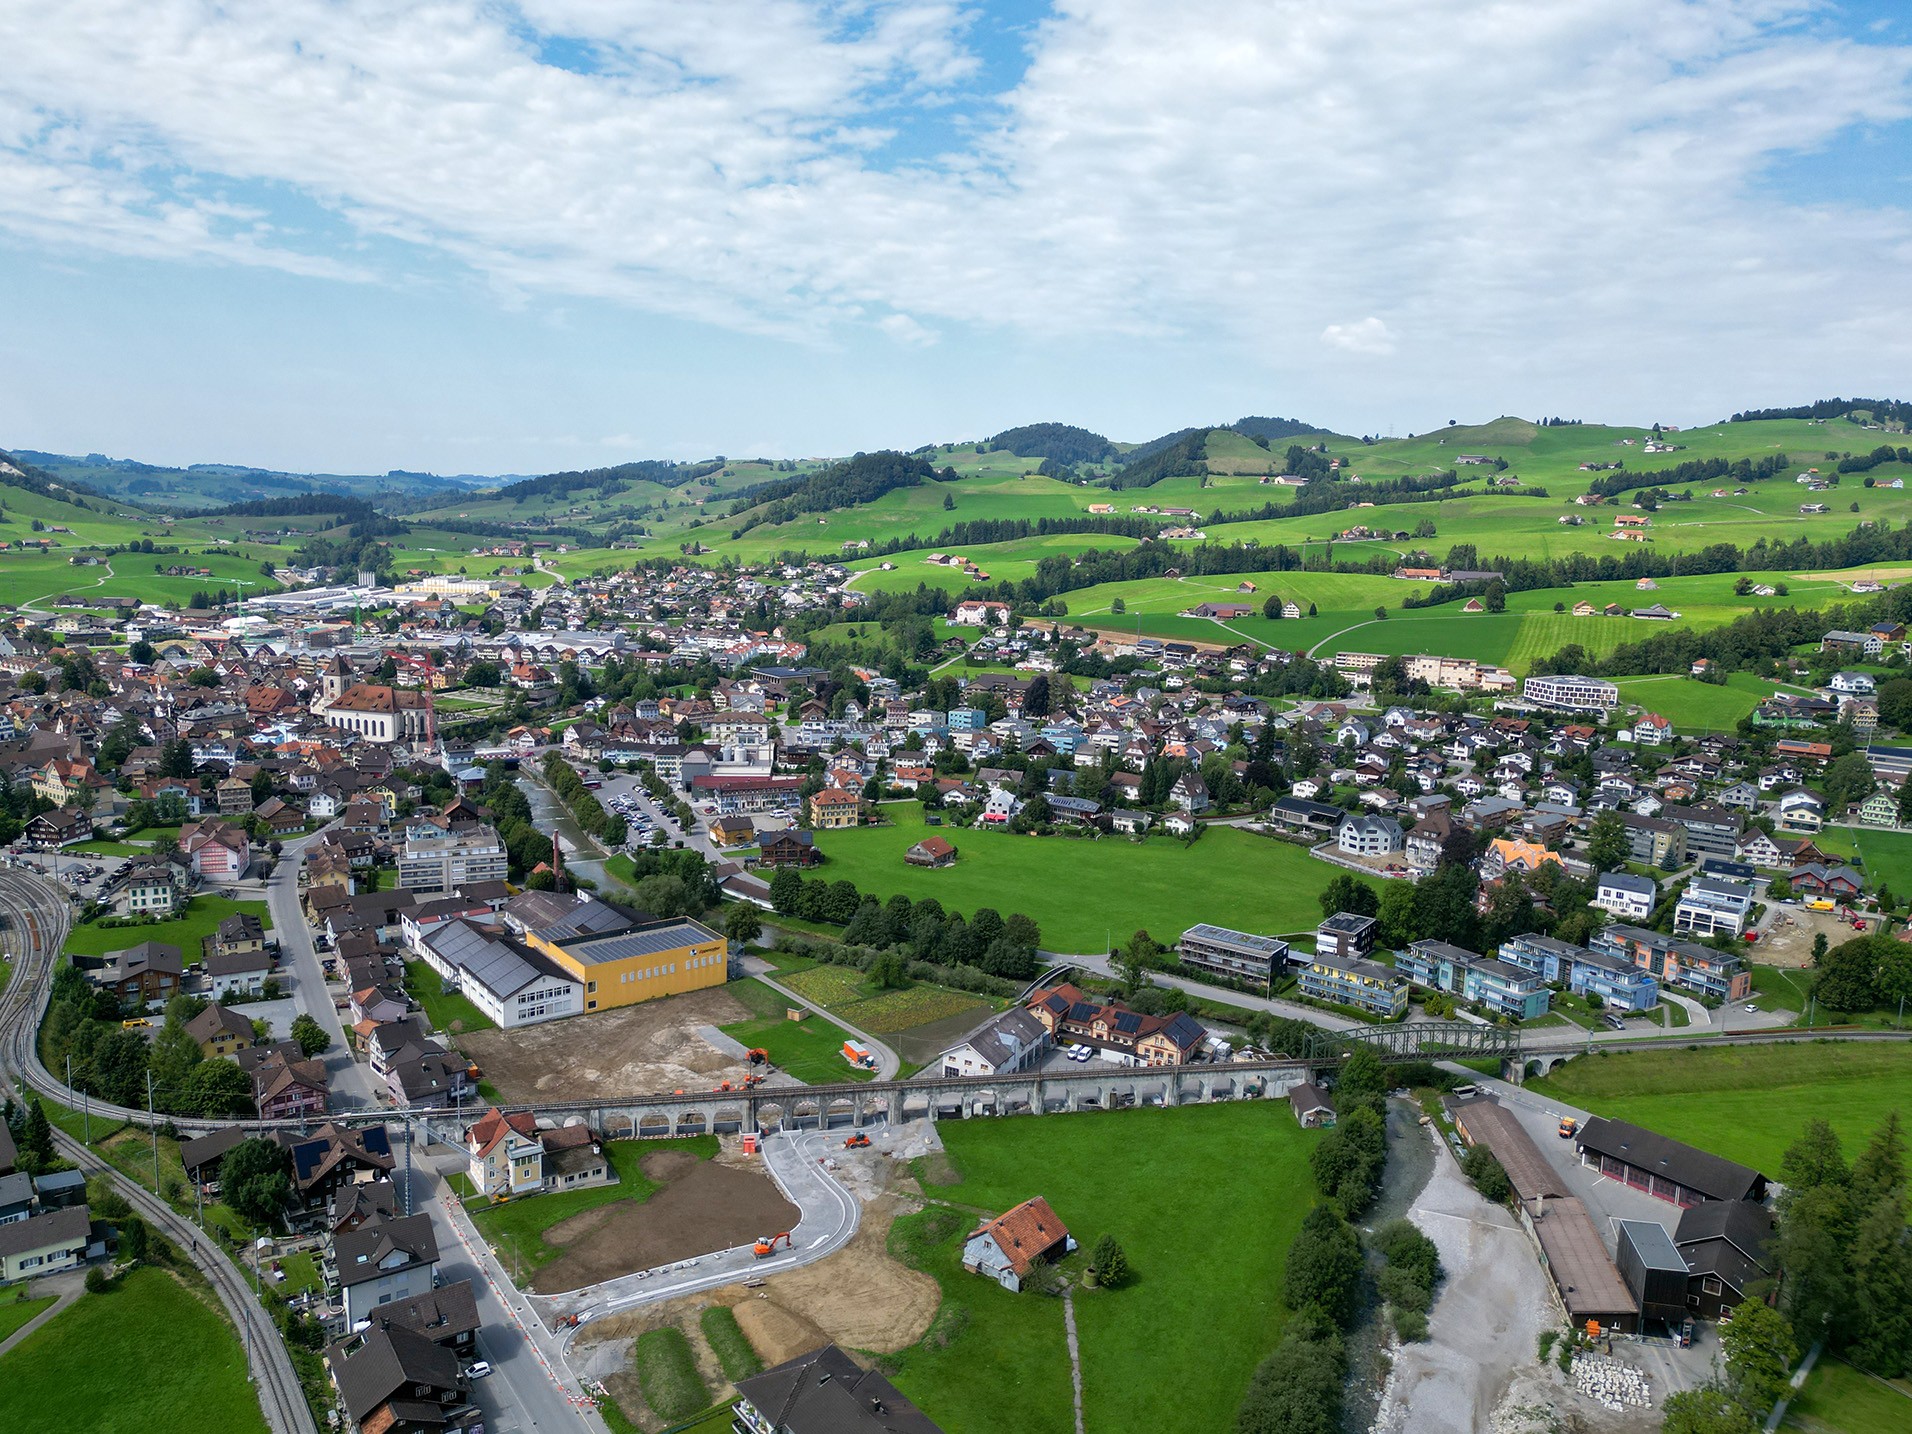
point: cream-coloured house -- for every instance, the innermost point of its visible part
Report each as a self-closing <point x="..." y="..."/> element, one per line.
<point x="506" y="1156"/>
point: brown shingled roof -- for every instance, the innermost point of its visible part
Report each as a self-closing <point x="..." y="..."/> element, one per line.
<point x="1024" y="1234"/>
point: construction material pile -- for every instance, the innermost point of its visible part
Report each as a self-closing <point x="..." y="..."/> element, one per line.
<point x="1613" y="1384"/>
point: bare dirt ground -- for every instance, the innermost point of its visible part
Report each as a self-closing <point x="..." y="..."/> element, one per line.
<point x="859" y="1298"/>
<point x="705" y="1205"/>
<point x="1789" y="941"/>
<point x="655" y="1046"/>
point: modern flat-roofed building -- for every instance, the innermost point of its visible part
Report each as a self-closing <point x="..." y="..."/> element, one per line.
<point x="1501" y="986"/>
<point x="1350" y="981"/>
<point x="1675" y="962"/>
<point x="1236" y="955"/>
<point x="1711" y="907"/>
<point x="1345" y="935"/>
<point x="447" y="863"/>
<point x="1570" y="693"/>
<point x="657" y="958"/>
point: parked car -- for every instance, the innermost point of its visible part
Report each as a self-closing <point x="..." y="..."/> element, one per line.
<point x="478" y="1370"/>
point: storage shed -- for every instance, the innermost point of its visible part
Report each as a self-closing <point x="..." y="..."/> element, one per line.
<point x="1654" y="1270"/>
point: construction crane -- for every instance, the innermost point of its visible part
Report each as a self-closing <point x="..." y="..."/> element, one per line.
<point x="767" y="1244"/>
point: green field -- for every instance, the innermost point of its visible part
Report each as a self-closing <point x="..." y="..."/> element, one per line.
<point x="17" y="1310"/>
<point x="148" y="1355"/>
<point x="1838" y="1399"/>
<point x="1694" y="706"/>
<point x="199" y="920"/>
<point x="1083" y="894"/>
<point x="810" y="1049"/>
<point x="1886" y="855"/>
<point x="516" y="1228"/>
<point x="1206" y="1250"/>
<point x="450" y="1011"/>
<point x="1747" y="1103"/>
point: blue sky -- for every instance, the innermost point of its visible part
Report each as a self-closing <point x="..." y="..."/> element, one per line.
<point x="478" y="237"/>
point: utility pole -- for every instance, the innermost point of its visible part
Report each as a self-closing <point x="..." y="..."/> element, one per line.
<point x="86" y="1105"/>
<point x="153" y="1125"/>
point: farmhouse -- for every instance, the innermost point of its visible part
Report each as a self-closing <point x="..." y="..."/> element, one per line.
<point x="1008" y="1247"/>
<point x="931" y="851"/>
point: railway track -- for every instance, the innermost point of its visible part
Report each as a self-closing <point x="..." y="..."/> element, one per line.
<point x="35" y="917"/>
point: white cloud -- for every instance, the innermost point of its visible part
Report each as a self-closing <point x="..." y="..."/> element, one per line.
<point x="1365" y="336"/>
<point x="906" y="330"/>
<point x="1548" y="189"/>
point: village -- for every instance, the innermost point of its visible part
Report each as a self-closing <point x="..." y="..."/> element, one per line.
<point x="433" y="907"/>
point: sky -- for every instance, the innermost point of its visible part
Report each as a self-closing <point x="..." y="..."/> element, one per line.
<point x="470" y="236"/>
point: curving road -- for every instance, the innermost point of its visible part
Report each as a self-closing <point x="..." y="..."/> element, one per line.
<point x="830" y="1217"/>
<point x="36" y="917"/>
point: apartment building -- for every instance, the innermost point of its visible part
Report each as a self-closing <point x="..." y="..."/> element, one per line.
<point x="1351" y="981"/>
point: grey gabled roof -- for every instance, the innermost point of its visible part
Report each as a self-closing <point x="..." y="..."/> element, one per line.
<point x="1711" y="1175"/>
<point x="383" y="1362"/>
<point x="1004" y="1035"/>
<point x="71" y="1226"/>
<point x="359" y="1253"/>
<point x="824" y="1392"/>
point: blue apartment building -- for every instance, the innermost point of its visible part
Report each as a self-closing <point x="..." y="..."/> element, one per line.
<point x="1351" y="981"/>
<point x="1502" y="987"/>
<point x="1617" y="982"/>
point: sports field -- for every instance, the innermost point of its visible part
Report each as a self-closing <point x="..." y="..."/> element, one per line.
<point x="1085" y="894"/>
<point x="1206" y="1251"/>
<point x="1747" y="1103"/>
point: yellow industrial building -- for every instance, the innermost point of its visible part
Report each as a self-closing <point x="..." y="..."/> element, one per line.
<point x="658" y="958"/>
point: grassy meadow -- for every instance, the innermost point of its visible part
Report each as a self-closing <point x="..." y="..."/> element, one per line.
<point x="1085" y="893"/>
<point x="1747" y="1103"/>
<point x="1183" y="1293"/>
<point x="150" y="1354"/>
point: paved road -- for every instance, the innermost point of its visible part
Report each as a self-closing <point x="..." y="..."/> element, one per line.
<point x="531" y="1386"/>
<point x="304" y="978"/>
<point x="829" y="1219"/>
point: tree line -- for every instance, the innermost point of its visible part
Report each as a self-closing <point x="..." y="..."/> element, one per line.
<point x="1298" y="1388"/>
<point x="988" y="941"/>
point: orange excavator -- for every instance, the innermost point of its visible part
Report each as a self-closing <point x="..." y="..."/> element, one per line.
<point x="767" y="1244"/>
<point x="759" y="1059"/>
<point x="856" y="1142"/>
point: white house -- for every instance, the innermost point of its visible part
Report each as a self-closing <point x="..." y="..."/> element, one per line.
<point x="1008" y="1247"/>
<point x="1010" y="1041"/>
<point x="976" y="613"/>
<point x="1855" y="682"/>
<point x="509" y="981"/>
<point x="382" y="1261"/>
<point x="1626" y="896"/>
<point x="1368" y="835"/>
